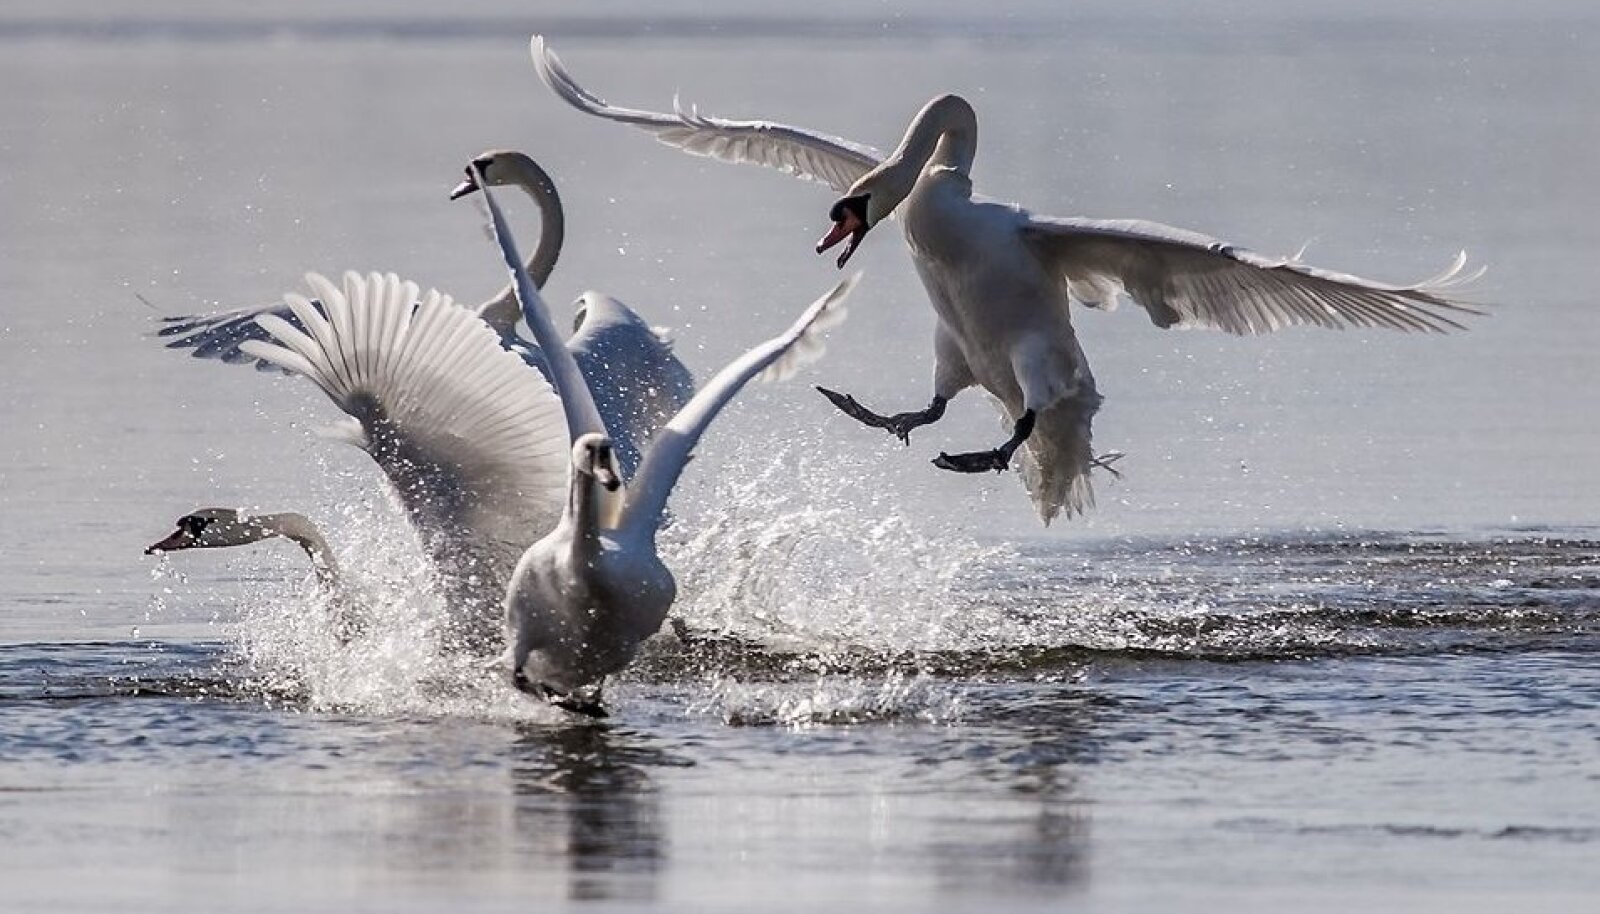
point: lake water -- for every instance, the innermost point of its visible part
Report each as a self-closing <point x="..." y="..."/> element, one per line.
<point x="1330" y="643"/>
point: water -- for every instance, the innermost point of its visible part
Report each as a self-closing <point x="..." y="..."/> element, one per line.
<point x="1330" y="643"/>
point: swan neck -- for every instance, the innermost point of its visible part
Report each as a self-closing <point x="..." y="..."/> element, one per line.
<point x="300" y="529"/>
<point x="583" y="515"/>
<point x="502" y="311"/>
<point x="944" y="132"/>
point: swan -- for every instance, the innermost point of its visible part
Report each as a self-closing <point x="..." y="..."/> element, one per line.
<point x="638" y="380"/>
<point x="212" y="528"/>
<point x="215" y="528"/>
<point x="1000" y="278"/>
<point x="468" y="437"/>
<point x="589" y="592"/>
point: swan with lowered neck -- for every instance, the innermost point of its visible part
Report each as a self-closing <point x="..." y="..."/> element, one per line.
<point x="1000" y="278"/>
<point x="638" y="380"/>
<point x="588" y="593"/>
<point x="214" y="528"/>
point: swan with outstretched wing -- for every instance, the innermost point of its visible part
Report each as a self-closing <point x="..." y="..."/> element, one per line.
<point x="1000" y="278"/>
<point x="588" y="593"/>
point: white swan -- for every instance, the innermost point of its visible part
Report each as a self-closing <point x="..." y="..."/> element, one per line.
<point x="1000" y="278"/>
<point x="216" y="528"/>
<point x="470" y="438"/>
<point x="589" y="592"/>
<point x="212" y="528"/>
<point x="638" y="381"/>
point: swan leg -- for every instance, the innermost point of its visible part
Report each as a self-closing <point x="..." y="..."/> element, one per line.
<point x="998" y="459"/>
<point x="899" y="425"/>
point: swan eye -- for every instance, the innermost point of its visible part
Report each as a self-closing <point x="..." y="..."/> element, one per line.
<point x="193" y="524"/>
<point x="856" y="205"/>
<point x="482" y="165"/>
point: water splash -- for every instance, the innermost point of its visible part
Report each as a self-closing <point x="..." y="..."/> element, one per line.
<point x="831" y="700"/>
<point x="374" y="646"/>
<point x="791" y="557"/>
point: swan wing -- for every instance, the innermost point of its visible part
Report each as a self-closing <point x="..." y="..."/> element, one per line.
<point x="220" y="335"/>
<point x="775" y="359"/>
<point x="582" y="416"/>
<point x="803" y="153"/>
<point x="1186" y="279"/>
<point x="469" y="437"/>
<point x="637" y="380"/>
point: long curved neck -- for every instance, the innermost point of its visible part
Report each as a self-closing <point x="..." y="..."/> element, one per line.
<point x="502" y="311"/>
<point x="944" y="132"/>
<point x="304" y="533"/>
<point x="583" y="516"/>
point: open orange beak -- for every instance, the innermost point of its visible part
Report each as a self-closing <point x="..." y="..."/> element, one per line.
<point x="849" y="225"/>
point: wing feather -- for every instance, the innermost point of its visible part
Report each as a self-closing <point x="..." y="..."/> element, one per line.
<point x="803" y="153"/>
<point x="669" y="452"/>
<point x="473" y="440"/>
<point x="1185" y="279"/>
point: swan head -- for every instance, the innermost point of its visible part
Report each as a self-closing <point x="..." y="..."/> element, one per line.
<point x="594" y="457"/>
<point x="210" y="528"/>
<point x="852" y="218"/>
<point x="498" y="167"/>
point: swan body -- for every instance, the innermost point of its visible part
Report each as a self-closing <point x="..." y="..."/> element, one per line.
<point x="639" y="381"/>
<point x="1000" y="279"/>
<point x="588" y="593"/>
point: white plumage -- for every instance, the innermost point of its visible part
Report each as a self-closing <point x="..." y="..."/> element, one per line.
<point x="471" y="440"/>
<point x="585" y="596"/>
<point x="1000" y="278"/>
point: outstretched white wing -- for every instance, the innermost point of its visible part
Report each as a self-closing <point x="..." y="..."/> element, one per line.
<point x="803" y="153"/>
<point x="470" y="437"/>
<point x="775" y="359"/>
<point x="1186" y="279"/>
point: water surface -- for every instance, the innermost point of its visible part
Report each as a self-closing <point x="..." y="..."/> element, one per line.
<point x="1329" y="643"/>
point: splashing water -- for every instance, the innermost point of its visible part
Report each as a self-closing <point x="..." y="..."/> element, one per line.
<point x="374" y="646"/>
<point x="789" y="557"/>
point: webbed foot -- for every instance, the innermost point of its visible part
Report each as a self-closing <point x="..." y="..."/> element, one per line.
<point x="899" y="425"/>
<point x="998" y="460"/>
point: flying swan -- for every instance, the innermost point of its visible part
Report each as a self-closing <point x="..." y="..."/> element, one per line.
<point x="1000" y="278"/>
<point x="586" y="595"/>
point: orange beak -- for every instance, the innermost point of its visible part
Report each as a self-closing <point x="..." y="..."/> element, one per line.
<point x="849" y="226"/>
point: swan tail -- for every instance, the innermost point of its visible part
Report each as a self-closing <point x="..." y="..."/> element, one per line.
<point x="1058" y="457"/>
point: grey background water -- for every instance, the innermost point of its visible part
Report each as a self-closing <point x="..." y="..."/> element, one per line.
<point x="1329" y="643"/>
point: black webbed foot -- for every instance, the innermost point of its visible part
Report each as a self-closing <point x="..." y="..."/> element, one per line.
<point x="566" y="701"/>
<point x="899" y="425"/>
<point x="998" y="460"/>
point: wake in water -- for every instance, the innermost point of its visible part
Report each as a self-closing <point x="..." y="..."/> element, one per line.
<point x="800" y="605"/>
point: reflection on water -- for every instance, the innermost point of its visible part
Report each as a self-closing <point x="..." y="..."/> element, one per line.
<point x="590" y="784"/>
<point x="891" y="696"/>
